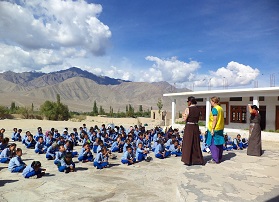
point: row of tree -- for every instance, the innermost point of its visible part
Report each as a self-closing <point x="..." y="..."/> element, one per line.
<point x="59" y="111"/>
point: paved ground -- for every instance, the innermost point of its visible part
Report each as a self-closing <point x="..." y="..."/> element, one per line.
<point x="238" y="178"/>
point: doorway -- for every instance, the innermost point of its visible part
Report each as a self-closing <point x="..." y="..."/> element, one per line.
<point x="277" y="118"/>
<point x="262" y="110"/>
<point x="225" y="106"/>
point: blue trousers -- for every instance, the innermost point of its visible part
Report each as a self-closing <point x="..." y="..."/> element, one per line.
<point x="125" y="161"/>
<point x="177" y="153"/>
<point x="100" y="165"/>
<point x="40" y="151"/>
<point x="141" y="156"/>
<point x="63" y="168"/>
<point x="32" y="173"/>
<point x="18" y="169"/>
<point x="84" y="158"/>
<point x="28" y="146"/>
<point x="50" y="156"/>
<point x="115" y="149"/>
<point x="160" y="156"/>
<point x="95" y="148"/>
<point x="4" y="160"/>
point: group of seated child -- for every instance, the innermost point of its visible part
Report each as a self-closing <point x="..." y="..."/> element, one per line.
<point x="135" y="143"/>
<point x="237" y="143"/>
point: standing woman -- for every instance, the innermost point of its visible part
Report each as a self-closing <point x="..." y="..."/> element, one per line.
<point x="255" y="141"/>
<point x="215" y="138"/>
<point x="191" y="150"/>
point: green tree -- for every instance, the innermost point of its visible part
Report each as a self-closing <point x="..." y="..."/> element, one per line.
<point x="55" y="110"/>
<point x="140" y="109"/>
<point x="13" y="107"/>
<point x="26" y="112"/>
<point x="48" y="109"/>
<point x="160" y="105"/>
<point x="95" y="108"/>
<point x="3" y="111"/>
<point x="58" y="100"/>
<point x="101" y="110"/>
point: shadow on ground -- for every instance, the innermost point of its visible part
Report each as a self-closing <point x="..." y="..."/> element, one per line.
<point x="3" y="182"/>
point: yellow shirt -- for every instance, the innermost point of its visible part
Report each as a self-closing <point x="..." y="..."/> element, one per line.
<point x="217" y="111"/>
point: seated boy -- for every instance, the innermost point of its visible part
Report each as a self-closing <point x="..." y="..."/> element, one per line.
<point x="40" y="148"/>
<point x="128" y="156"/>
<point x="85" y="154"/>
<point x="60" y="154"/>
<point x="175" y="148"/>
<point x="30" y="142"/>
<point x="160" y="151"/>
<point x="237" y="143"/>
<point x="101" y="161"/>
<point x="34" y="170"/>
<point x="50" y="154"/>
<point x="141" y="153"/>
<point x="7" y="153"/>
<point x="66" y="164"/>
<point x="16" y="164"/>
<point x="17" y="136"/>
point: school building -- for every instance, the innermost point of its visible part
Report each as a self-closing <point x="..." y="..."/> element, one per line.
<point x="234" y="103"/>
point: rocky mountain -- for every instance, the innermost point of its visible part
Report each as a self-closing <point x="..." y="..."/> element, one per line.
<point x="39" y="79"/>
<point x="79" y="89"/>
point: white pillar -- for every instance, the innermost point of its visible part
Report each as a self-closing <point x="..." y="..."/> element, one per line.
<point x="207" y="112"/>
<point x="256" y="100"/>
<point x="173" y="112"/>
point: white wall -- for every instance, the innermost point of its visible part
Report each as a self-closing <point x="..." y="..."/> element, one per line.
<point x="269" y="102"/>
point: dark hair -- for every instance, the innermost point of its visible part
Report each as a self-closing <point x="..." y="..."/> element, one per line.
<point x="36" y="164"/>
<point x="18" y="150"/>
<point x="40" y="137"/>
<point x="12" y="145"/>
<point x="68" y="155"/>
<point x="128" y="147"/>
<point x="192" y="100"/>
<point x="255" y="107"/>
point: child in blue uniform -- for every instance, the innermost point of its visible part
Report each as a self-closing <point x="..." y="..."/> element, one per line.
<point x="50" y="154"/>
<point x="175" y="148"/>
<point x="34" y="170"/>
<point x="141" y="153"/>
<point x="4" y="144"/>
<point x="66" y="164"/>
<point x="17" y="136"/>
<point x="128" y="157"/>
<point x="7" y="153"/>
<point x="30" y="142"/>
<point x="16" y="164"/>
<point x="60" y="154"/>
<point x="160" y="151"/>
<point x="101" y="161"/>
<point x="40" y="148"/>
<point x="85" y="154"/>
<point x="49" y="139"/>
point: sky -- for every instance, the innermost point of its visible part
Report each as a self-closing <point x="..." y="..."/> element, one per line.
<point x="193" y="44"/>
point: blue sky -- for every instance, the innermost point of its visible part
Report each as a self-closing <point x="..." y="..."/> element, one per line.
<point x="182" y="42"/>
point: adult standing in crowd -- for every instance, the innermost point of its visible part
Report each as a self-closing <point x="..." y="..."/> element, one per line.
<point x="255" y="141"/>
<point x="215" y="137"/>
<point x="191" y="150"/>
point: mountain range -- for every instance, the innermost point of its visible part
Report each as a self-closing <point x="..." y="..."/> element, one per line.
<point x="79" y="89"/>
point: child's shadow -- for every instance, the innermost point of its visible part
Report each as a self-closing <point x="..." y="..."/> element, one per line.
<point x="81" y="169"/>
<point x="49" y="175"/>
<point x="27" y="159"/>
<point x="3" y="182"/>
<point x="114" y="164"/>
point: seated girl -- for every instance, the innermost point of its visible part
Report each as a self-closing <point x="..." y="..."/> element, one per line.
<point x="34" y="170"/>
<point x="16" y="164"/>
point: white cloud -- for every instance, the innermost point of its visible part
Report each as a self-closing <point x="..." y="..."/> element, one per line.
<point x="171" y="70"/>
<point x="42" y="33"/>
<point x="234" y="74"/>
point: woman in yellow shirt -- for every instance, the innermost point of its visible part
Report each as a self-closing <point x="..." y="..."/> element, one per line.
<point x="215" y="138"/>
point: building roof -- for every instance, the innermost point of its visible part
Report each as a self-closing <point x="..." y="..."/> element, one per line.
<point x="245" y="92"/>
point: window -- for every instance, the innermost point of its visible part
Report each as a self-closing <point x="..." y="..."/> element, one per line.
<point x="238" y="114"/>
<point x="261" y="98"/>
<point x="202" y="112"/>
<point x="235" y="98"/>
<point x="199" y="99"/>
